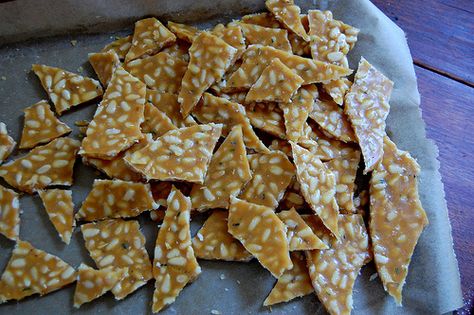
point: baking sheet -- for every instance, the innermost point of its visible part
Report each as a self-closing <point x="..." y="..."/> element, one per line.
<point x="433" y="284"/>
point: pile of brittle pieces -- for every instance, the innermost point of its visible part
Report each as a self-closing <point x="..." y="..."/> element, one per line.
<point x="258" y="124"/>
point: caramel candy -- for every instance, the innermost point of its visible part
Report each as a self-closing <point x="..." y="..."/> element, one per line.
<point x="288" y="14"/>
<point x="104" y="64"/>
<point x="9" y="213"/>
<point x="265" y="19"/>
<point x="337" y="89"/>
<point x="60" y="208"/>
<point x="120" y="46"/>
<point x="184" y="32"/>
<point x="168" y="104"/>
<point x="232" y="35"/>
<point x="7" y="144"/>
<point x="179" y="50"/>
<point x="274" y="37"/>
<point x="156" y="122"/>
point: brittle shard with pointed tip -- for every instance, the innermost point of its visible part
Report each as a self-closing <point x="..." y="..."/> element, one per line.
<point x="266" y="36"/>
<point x="183" y="31"/>
<point x="104" y="64"/>
<point x="7" y="144"/>
<point x="168" y="104"/>
<point x="288" y="14"/>
<point x="120" y="46"/>
<point x="60" y="208"/>
<point x="9" y="213"/>
<point x="156" y="122"/>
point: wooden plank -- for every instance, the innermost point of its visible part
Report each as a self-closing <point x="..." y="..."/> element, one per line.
<point x="440" y="34"/>
<point x="447" y="110"/>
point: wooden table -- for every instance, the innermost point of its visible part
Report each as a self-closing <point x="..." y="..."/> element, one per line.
<point x="441" y="38"/>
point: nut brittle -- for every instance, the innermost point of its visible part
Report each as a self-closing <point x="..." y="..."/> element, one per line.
<point x="104" y="65"/>
<point x="265" y="19"/>
<point x="179" y="50"/>
<point x="168" y="104"/>
<point x="232" y="35"/>
<point x="337" y="89"/>
<point x="288" y="14"/>
<point x="156" y="122"/>
<point x="9" y="213"/>
<point x="7" y="144"/>
<point x="184" y="32"/>
<point x="60" y="208"/>
<point x="120" y="46"/>
<point x="275" y="37"/>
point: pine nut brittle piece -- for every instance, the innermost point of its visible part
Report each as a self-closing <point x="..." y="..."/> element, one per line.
<point x="93" y="283"/>
<point x="119" y="244"/>
<point x="41" y="126"/>
<point x="9" y="213"/>
<point x="161" y="72"/>
<point x="7" y="144"/>
<point x="277" y="83"/>
<point x="293" y="197"/>
<point x="397" y="218"/>
<point x="265" y="19"/>
<point x="288" y="14"/>
<point x="60" y="208"/>
<point x="257" y="57"/>
<point x="175" y="264"/>
<point x="156" y="122"/>
<point x="274" y="37"/>
<point x="272" y="174"/>
<point x="367" y="107"/>
<point x="210" y="57"/>
<point x="149" y="37"/>
<point x="337" y="89"/>
<point x="47" y="165"/>
<point x="318" y="186"/>
<point x="116" y="199"/>
<point x="262" y="233"/>
<point x="183" y="31"/>
<point x="120" y="46"/>
<point x="179" y="50"/>
<point x="227" y="173"/>
<point x="333" y="271"/>
<point x="168" y="104"/>
<point x="299" y="46"/>
<point x="117" y="120"/>
<point x="66" y="89"/>
<point x="33" y="271"/>
<point x="104" y="65"/>
<point x="220" y="110"/>
<point x="214" y="242"/>
<point x="232" y="35"/>
<point x="299" y="234"/>
<point x="182" y="154"/>
<point x="294" y="282"/>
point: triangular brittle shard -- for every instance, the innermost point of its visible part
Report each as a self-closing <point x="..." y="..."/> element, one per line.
<point x="337" y="89"/>
<point x="262" y="233"/>
<point x="228" y="171"/>
<point x="120" y="46"/>
<point x="168" y="104"/>
<point x="93" y="283"/>
<point x="60" y="208"/>
<point x="7" y="144"/>
<point x="156" y="122"/>
<point x="232" y="35"/>
<point x="9" y="213"/>
<point x="47" y="165"/>
<point x="275" y="37"/>
<point x="185" y="32"/>
<point x="104" y="64"/>
<point x="214" y="242"/>
<point x="182" y="154"/>
<point x="66" y="89"/>
<point x="288" y="14"/>
<point x="174" y="265"/>
<point x="41" y="126"/>
<point x="32" y="271"/>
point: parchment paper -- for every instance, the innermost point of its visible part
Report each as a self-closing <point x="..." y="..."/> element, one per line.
<point x="433" y="284"/>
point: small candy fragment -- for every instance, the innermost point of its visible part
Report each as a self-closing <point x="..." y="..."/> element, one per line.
<point x="262" y="233"/>
<point x="179" y="50"/>
<point x="119" y="244"/>
<point x="175" y="264"/>
<point x="275" y="37"/>
<point x="293" y="197"/>
<point x="184" y="32"/>
<point x="298" y="45"/>
<point x="116" y="199"/>
<point x="58" y="204"/>
<point x="288" y="14"/>
<point x="149" y="37"/>
<point x="156" y="122"/>
<point x="93" y="283"/>
<point x="397" y="218"/>
<point x="181" y="154"/>
<point x="7" y="144"/>
<point x="265" y="19"/>
<point x="120" y="46"/>
<point x="294" y="282"/>
<point x="32" y="271"/>
<point x="232" y="35"/>
<point x="337" y="89"/>
<point x="66" y="89"/>
<point x="9" y="213"/>
<point x="214" y="242"/>
<point x="41" y="126"/>
<point x="168" y="104"/>
<point x="297" y="111"/>
<point x="104" y="64"/>
<point x="47" y="165"/>
<point x="228" y="171"/>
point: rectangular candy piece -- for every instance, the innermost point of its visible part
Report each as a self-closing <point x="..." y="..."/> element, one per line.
<point x="333" y="271"/>
<point x="337" y="89"/>
<point x="47" y="165"/>
<point x="274" y="37"/>
<point x="184" y="32"/>
<point x="318" y="186"/>
<point x="168" y="104"/>
<point x="9" y="213"/>
<point x="120" y="46"/>
<point x="265" y="19"/>
<point x="272" y="174"/>
<point x="116" y="199"/>
<point x="117" y="120"/>
<point x="93" y="283"/>
<point x="367" y="107"/>
<point x="7" y="144"/>
<point x="156" y="122"/>
<point x="257" y="57"/>
<point x="161" y="72"/>
<point x="175" y="264"/>
<point x="183" y="154"/>
<point x="60" y="208"/>
<point x="232" y="35"/>
<point x="104" y="65"/>
<point x="228" y="172"/>
<point x="397" y="217"/>
<point x="66" y="89"/>
<point x="214" y="242"/>
<point x="299" y="234"/>
<point x="32" y="271"/>
<point x="288" y="14"/>
<point x="220" y="110"/>
<point x="119" y="244"/>
<point x="210" y="57"/>
<point x="294" y="282"/>
<point x="179" y="50"/>
<point x="262" y="233"/>
<point x="277" y="83"/>
<point x="149" y="37"/>
<point x="41" y="126"/>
